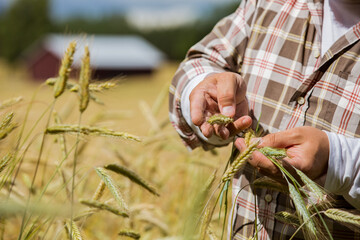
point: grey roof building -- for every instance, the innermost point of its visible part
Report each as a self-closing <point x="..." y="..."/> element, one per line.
<point x="110" y="55"/>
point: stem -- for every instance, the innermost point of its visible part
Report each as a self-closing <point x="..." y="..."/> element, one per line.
<point x="73" y="177"/>
<point x="35" y="172"/>
<point x="256" y="215"/>
<point x="298" y="229"/>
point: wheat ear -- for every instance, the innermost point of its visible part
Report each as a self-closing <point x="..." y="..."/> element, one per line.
<point x="64" y="70"/>
<point x="130" y="234"/>
<point x="99" y="191"/>
<point x="5" y="161"/>
<point x="86" y="130"/>
<point x="220" y="119"/>
<point x="61" y="137"/>
<point x="133" y="176"/>
<point x="304" y="215"/>
<point x="112" y="187"/>
<point x="103" y="206"/>
<point x="343" y="216"/>
<point x="248" y="136"/>
<point x="85" y="74"/>
<point x="287" y="218"/>
<point x="6" y="126"/>
<point x="73" y="230"/>
<point x="205" y="222"/>
<point x="6" y="120"/>
<point x="239" y="162"/>
<point x="10" y="102"/>
<point x="314" y="188"/>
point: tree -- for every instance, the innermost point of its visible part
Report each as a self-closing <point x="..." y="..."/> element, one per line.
<point x="23" y="23"/>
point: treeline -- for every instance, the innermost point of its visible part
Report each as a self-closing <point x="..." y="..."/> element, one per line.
<point x="28" y="20"/>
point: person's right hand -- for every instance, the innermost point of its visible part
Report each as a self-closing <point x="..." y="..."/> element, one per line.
<point x="220" y="93"/>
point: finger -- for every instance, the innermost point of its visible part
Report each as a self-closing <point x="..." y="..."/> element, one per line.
<point x="222" y="131"/>
<point x="282" y="139"/>
<point x="207" y="129"/>
<point x="197" y="106"/>
<point x="226" y="91"/>
<point x="239" y="125"/>
<point x="240" y="144"/>
<point x="259" y="161"/>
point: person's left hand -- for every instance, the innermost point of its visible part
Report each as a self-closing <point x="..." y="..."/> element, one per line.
<point x="307" y="150"/>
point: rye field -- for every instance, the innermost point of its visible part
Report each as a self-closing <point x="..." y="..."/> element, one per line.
<point x="87" y="159"/>
<point x="117" y="170"/>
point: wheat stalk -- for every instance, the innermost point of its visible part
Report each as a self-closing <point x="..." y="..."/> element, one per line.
<point x="276" y="153"/>
<point x="99" y="191"/>
<point x="6" y="126"/>
<point x="220" y="119"/>
<point x="103" y="206"/>
<point x="133" y="176"/>
<point x="61" y="137"/>
<point x="10" y="102"/>
<point x="85" y="74"/>
<point x="5" y="161"/>
<point x="6" y="120"/>
<point x="239" y="162"/>
<point x="7" y="130"/>
<point x="130" y="234"/>
<point x="287" y="218"/>
<point x="111" y="186"/>
<point x="148" y="114"/>
<point x="248" y="136"/>
<point x="87" y="130"/>
<point x="73" y="230"/>
<point x="93" y="87"/>
<point x="343" y="216"/>
<point x="64" y="70"/>
<point x="304" y="215"/>
<point x="313" y="187"/>
<point x="205" y="222"/>
<point x="102" y="86"/>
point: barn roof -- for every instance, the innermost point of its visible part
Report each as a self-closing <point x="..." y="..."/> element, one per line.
<point x="108" y="51"/>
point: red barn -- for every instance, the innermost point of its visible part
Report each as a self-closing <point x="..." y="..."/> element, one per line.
<point x="111" y="55"/>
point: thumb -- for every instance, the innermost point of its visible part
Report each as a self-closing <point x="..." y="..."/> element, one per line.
<point x="227" y="96"/>
<point x="282" y="139"/>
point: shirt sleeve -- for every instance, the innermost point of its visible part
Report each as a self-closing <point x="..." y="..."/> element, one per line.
<point x="343" y="175"/>
<point x="220" y="51"/>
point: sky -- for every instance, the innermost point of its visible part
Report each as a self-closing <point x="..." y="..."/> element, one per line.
<point x="140" y="13"/>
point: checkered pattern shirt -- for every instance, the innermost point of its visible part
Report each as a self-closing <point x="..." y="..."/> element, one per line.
<point x="275" y="46"/>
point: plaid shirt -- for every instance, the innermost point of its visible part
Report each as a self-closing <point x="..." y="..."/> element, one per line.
<point x="275" y="46"/>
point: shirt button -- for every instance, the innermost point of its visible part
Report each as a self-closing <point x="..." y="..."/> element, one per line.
<point x="317" y="53"/>
<point x="300" y="100"/>
<point x="268" y="198"/>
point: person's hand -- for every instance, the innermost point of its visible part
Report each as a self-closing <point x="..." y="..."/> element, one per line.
<point x="220" y="93"/>
<point x="307" y="150"/>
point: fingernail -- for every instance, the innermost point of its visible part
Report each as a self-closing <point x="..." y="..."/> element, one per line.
<point x="228" y="111"/>
<point x="245" y="121"/>
<point x="224" y="134"/>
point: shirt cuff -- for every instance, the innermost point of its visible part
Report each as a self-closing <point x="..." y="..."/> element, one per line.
<point x="343" y="176"/>
<point x="185" y="109"/>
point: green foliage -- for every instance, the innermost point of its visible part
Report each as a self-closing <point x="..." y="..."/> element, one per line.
<point x="25" y="22"/>
<point x="28" y="20"/>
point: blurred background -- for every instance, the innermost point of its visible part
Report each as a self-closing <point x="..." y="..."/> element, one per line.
<point x="139" y="45"/>
<point x="171" y="26"/>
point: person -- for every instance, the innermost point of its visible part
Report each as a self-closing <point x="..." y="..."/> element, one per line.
<point x="293" y="66"/>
